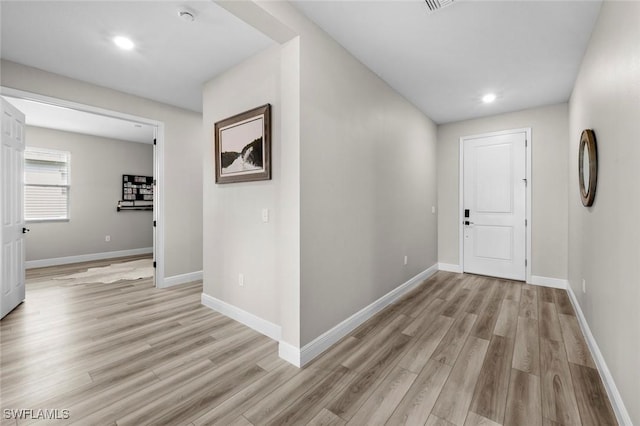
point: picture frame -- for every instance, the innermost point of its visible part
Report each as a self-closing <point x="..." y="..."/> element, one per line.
<point x="136" y="188"/>
<point x="242" y="146"/>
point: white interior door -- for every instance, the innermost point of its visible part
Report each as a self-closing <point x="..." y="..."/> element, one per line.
<point x="495" y="206"/>
<point x="156" y="209"/>
<point x="11" y="213"/>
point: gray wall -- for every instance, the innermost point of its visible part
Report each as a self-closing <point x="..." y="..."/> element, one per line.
<point x="604" y="240"/>
<point x="368" y="182"/>
<point x="549" y="222"/>
<point x="97" y="166"/>
<point x="236" y="240"/>
<point x="351" y="198"/>
<point x="183" y="154"/>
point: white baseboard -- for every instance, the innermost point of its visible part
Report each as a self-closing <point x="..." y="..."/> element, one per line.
<point x="289" y="353"/>
<point x="449" y="267"/>
<point x="549" y="282"/>
<point x="614" y="396"/>
<point x="332" y="336"/>
<point x="534" y="280"/>
<point x="260" y="325"/>
<point x="42" y="263"/>
<point x="181" y="279"/>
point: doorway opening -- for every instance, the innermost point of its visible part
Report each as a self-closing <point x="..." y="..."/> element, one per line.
<point x="495" y="204"/>
<point x="154" y="132"/>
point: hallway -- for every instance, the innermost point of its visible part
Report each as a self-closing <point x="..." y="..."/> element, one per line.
<point x="460" y="349"/>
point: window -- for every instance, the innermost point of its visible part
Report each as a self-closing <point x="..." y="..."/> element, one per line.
<point x="46" y="184"/>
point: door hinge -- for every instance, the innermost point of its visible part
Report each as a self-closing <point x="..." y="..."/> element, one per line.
<point x="154" y="223"/>
<point x="525" y="262"/>
<point x="154" y="264"/>
<point x="154" y="182"/>
<point x="154" y="141"/>
<point x="526" y="223"/>
<point x="525" y="142"/>
<point x="525" y="181"/>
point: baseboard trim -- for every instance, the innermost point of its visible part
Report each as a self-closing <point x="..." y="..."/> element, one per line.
<point x="612" y="390"/>
<point x="548" y="282"/>
<point x="329" y="338"/>
<point x="260" y="325"/>
<point x="181" y="279"/>
<point x="450" y="267"/>
<point x="43" y="263"/>
<point x="289" y="353"/>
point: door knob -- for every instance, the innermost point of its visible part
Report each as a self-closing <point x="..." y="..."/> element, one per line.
<point x="25" y="230"/>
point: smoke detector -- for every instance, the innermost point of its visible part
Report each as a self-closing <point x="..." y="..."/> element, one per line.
<point x="435" y="5"/>
<point x="187" y="15"/>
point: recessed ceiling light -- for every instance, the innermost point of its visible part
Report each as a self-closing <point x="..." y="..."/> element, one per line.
<point x="488" y="98"/>
<point x="123" y="43"/>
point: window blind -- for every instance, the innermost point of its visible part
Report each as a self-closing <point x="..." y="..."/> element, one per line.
<point x="46" y="191"/>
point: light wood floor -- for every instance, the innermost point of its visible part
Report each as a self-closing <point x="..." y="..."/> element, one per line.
<point x="461" y="349"/>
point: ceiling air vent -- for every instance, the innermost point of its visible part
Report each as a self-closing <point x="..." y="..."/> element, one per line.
<point x="434" y="5"/>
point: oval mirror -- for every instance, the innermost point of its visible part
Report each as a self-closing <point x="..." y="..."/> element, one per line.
<point x="587" y="167"/>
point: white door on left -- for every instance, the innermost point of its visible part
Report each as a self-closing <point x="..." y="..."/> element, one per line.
<point x="11" y="213"/>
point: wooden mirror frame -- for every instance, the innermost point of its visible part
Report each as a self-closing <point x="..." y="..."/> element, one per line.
<point x="588" y="142"/>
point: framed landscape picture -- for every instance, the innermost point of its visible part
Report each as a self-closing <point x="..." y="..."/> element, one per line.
<point x="242" y="146"/>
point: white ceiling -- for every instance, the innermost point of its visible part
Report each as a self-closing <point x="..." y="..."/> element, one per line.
<point x="527" y="52"/>
<point x="40" y="114"/>
<point x="170" y="63"/>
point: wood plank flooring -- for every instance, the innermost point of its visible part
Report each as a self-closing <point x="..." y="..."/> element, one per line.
<point x="459" y="350"/>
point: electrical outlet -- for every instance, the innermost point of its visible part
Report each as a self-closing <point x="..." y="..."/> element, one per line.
<point x="107" y="238"/>
<point x="406" y="260"/>
<point x="584" y="285"/>
<point x="265" y="215"/>
<point x="241" y="280"/>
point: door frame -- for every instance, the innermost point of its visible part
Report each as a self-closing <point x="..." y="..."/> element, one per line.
<point x="158" y="163"/>
<point x="528" y="143"/>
